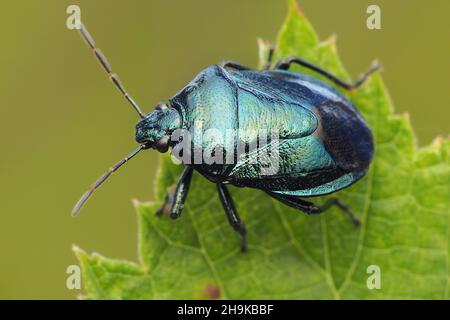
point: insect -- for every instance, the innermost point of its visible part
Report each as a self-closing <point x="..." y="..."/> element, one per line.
<point x="324" y="143"/>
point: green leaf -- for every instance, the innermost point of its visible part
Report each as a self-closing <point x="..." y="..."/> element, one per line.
<point x="403" y="203"/>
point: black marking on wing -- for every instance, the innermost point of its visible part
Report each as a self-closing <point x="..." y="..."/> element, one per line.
<point x="345" y="135"/>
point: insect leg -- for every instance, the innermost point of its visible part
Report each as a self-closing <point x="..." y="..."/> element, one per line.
<point x="234" y="65"/>
<point x="176" y="199"/>
<point x="237" y="66"/>
<point x="285" y="64"/>
<point x="270" y="56"/>
<point x="344" y="208"/>
<point x="311" y="208"/>
<point x="168" y="200"/>
<point x="233" y="218"/>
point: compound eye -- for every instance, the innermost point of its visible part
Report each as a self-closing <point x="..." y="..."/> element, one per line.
<point x="162" y="145"/>
<point x="161" y="106"/>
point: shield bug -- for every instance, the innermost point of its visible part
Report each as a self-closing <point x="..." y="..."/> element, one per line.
<point x="323" y="143"/>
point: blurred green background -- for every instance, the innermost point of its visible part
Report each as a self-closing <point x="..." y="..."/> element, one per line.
<point x="63" y="123"/>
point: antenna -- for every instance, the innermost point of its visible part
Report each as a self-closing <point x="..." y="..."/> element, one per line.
<point x="104" y="62"/>
<point x="85" y="197"/>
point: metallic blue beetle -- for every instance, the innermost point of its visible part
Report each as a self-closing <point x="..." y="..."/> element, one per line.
<point x="323" y="143"/>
